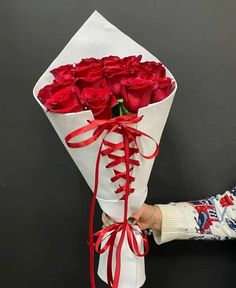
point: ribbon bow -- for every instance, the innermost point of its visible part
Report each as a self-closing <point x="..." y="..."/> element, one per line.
<point x="119" y="125"/>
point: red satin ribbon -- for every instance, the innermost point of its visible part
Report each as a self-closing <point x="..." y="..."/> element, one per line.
<point x="119" y="125"/>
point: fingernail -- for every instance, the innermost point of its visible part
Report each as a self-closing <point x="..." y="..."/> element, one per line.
<point x="131" y="220"/>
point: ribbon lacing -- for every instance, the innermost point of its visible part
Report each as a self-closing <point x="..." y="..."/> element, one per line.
<point x="116" y="160"/>
<point x="129" y="134"/>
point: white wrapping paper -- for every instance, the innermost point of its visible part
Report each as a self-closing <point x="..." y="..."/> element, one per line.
<point x="98" y="38"/>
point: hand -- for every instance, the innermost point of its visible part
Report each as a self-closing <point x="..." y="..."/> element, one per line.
<point x="148" y="217"/>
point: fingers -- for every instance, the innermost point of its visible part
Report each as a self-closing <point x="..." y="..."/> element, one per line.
<point x="104" y="218"/>
<point x="133" y="219"/>
<point x="107" y="221"/>
<point x="139" y="213"/>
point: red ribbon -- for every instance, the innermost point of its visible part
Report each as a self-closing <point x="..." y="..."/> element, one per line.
<point x="120" y="125"/>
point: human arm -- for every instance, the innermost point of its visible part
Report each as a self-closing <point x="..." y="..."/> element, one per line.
<point x="212" y="218"/>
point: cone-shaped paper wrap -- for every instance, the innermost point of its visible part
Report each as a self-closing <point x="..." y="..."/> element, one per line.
<point x="98" y="38"/>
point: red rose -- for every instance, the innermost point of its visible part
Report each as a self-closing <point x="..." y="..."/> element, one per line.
<point x="132" y="60"/>
<point x="88" y="62"/>
<point x="162" y="88"/>
<point x="95" y="71"/>
<point x="136" y="93"/>
<point x="100" y="101"/>
<point x="89" y="73"/>
<point x="89" y="67"/>
<point x="95" y="83"/>
<point x="112" y="62"/>
<point x="114" y="79"/>
<point x="63" y="74"/>
<point x="115" y="71"/>
<point x="65" y="100"/>
<point x="47" y="91"/>
<point x="87" y="82"/>
<point x="151" y="69"/>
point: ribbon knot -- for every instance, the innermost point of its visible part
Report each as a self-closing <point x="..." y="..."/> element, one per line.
<point x="112" y="231"/>
<point x="121" y="125"/>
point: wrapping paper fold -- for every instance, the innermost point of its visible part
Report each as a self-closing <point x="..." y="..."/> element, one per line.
<point x="98" y="38"/>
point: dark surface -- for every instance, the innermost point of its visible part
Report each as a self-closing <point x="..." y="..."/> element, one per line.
<point x="44" y="201"/>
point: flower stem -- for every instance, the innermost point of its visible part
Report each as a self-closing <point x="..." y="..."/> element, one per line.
<point x="120" y="101"/>
<point x="125" y="111"/>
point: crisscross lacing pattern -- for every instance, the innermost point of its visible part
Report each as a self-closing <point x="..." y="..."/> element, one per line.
<point x="129" y="134"/>
<point x="116" y="160"/>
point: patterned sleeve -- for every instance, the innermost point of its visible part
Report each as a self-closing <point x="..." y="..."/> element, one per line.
<point x="211" y="218"/>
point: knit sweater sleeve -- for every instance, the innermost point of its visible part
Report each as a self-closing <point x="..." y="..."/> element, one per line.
<point x="212" y="218"/>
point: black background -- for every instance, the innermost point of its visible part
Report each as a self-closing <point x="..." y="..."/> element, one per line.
<point x="44" y="201"/>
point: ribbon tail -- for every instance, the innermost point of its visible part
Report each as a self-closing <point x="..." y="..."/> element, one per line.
<point x="126" y="196"/>
<point x="118" y="259"/>
<point x="91" y="221"/>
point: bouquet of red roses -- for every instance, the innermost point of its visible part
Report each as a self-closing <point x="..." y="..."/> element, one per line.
<point x="109" y="87"/>
<point x="111" y="110"/>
